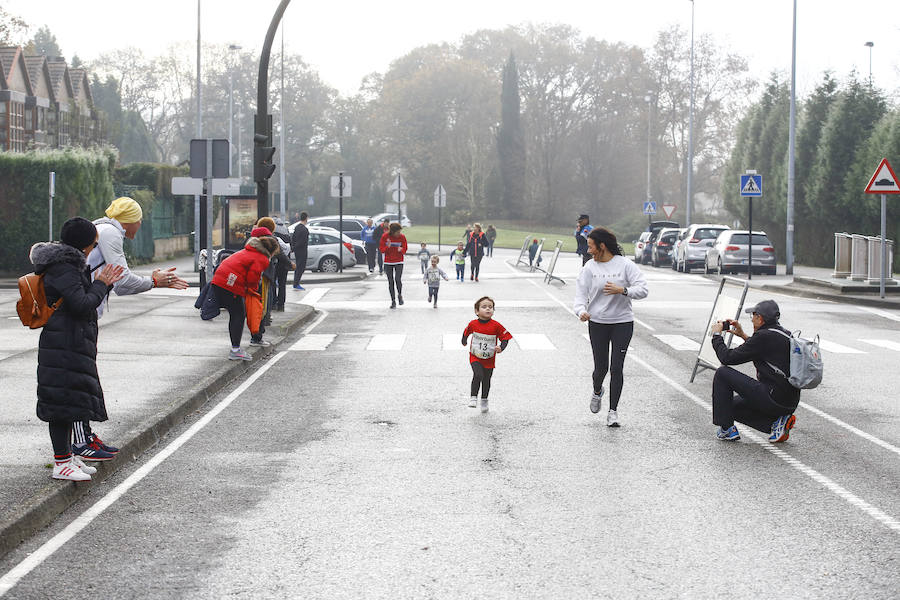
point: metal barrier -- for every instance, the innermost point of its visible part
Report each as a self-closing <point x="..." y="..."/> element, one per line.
<point x="874" y="270"/>
<point x="549" y="277"/>
<point x="842" y="247"/>
<point x="859" y="260"/>
<point x="524" y="252"/>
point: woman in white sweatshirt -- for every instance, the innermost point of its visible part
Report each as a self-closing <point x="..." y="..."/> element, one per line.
<point x="603" y="294"/>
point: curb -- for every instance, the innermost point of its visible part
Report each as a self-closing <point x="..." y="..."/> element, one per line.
<point x="13" y="284"/>
<point x="52" y="500"/>
<point x="815" y="293"/>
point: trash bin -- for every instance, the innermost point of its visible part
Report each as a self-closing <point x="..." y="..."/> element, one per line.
<point x="874" y="271"/>
<point x="842" y="245"/>
<point x="859" y="257"/>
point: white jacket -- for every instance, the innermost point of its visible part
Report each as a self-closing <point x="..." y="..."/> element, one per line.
<point x="613" y="308"/>
<point x="109" y="250"/>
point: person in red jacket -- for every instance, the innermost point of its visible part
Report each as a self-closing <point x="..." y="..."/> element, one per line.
<point x="393" y="246"/>
<point x="486" y="333"/>
<point x="236" y="278"/>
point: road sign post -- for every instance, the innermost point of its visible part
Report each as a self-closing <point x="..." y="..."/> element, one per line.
<point x="340" y="187"/>
<point x="669" y="210"/>
<point x="751" y="187"/>
<point x="440" y="201"/>
<point x="649" y="210"/>
<point x="50" y="212"/>
<point x="883" y="182"/>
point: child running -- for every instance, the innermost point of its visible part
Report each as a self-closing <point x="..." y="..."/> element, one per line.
<point x="433" y="278"/>
<point x="424" y="256"/>
<point x="458" y="257"/>
<point x="485" y="334"/>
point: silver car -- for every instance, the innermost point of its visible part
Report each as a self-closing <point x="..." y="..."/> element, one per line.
<point x="694" y="242"/>
<point x="730" y="252"/>
<point x="323" y="250"/>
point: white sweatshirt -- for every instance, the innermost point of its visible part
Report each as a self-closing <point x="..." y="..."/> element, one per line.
<point x="109" y="250"/>
<point x="613" y="308"/>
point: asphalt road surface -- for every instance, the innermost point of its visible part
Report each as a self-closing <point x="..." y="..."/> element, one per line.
<point x="349" y="466"/>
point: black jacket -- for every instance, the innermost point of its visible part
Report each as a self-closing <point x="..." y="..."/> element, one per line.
<point x="68" y="385"/>
<point x="476" y="244"/>
<point x="763" y="347"/>
<point x="300" y="242"/>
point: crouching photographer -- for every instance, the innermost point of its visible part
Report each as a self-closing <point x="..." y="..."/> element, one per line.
<point x="766" y="403"/>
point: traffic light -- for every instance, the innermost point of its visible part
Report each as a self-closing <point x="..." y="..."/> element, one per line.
<point x="263" y="165"/>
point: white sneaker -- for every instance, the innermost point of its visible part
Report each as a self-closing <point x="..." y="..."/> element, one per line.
<point x="484" y="405"/>
<point x="70" y="471"/>
<point x="81" y="465"/>
<point x="473" y="402"/>
<point x="595" y="401"/>
<point x="612" y="419"/>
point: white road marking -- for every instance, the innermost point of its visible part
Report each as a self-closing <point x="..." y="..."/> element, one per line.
<point x="838" y="348"/>
<point x="533" y="341"/>
<point x="316" y="341"/>
<point x="382" y="305"/>
<point x="451" y="342"/>
<point x="889" y="344"/>
<point x="852" y="429"/>
<point x="678" y="342"/>
<point x="313" y="296"/>
<point x="387" y="341"/>
<point x="880" y="313"/>
<point x="36" y="558"/>
<point x="827" y="483"/>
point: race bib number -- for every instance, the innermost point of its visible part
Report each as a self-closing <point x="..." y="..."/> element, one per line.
<point x="434" y="276"/>
<point x="231" y="279"/>
<point x="483" y="346"/>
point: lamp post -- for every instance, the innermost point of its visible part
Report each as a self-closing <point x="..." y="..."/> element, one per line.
<point x="690" y="162"/>
<point x="231" y="47"/>
<point x="869" y="45"/>
<point x="789" y="255"/>
<point x="649" y="99"/>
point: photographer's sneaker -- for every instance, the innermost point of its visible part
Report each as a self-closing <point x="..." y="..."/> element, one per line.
<point x="80" y="463"/>
<point x="612" y="419"/>
<point x="729" y="435"/>
<point x="595" y="401"/>
<point x="781" y="428"/>
<point x="473" y="402"/>
<point x="69" y="471"/>
<point x="484" y="405"/>
<point x="91" y="452"/>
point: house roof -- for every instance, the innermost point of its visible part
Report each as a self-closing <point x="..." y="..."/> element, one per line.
<point x="15" y="72"/>
<point x="59" y="78"/>
<point x="8" y="59"/>
<point x="81" y="84"/>
<point x="37" y="68"/>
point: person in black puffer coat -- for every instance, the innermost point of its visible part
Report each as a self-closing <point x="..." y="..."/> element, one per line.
<point x="68" y="386"/>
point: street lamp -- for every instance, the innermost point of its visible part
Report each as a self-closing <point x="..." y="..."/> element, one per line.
<point x="648" y="99"/>
<point x="231" y="47"/>
<point x="690" y="164"/>
<point x="870" y="44"/>
<point x="792" y="130"/>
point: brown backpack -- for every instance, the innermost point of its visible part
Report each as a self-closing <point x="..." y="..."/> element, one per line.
<point x="33" y="309"/>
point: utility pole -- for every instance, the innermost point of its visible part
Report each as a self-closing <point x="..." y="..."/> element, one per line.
<point x="281" y="172"/>
<point x="792" y="126"/>
<point x="690" y="161"/>
<point x="199" y="136"/>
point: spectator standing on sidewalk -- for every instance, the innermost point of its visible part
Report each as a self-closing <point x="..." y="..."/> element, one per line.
<point x="283" y="263"/>
<point x="393" y="245"/>
<point x="300" y="246"/>
<point x="582" y="230"/>
<point x="475" y="250"/>
<point x="371" y="243"/>
<point x="491" y="235"/>
<point x="123" y="220"/>
<point x="68" y="385"/>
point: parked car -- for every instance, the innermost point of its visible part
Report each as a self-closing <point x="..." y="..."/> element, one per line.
<point x="647" y="247"/>
<point x="695" y="241"/>
<point x="323" y="251"/>
<point x="676" y="245"/>
<point x="639" y="246"/>
<point x="393" y="217"/>
<point x="647" y="252"/>
<point x="352" y="225"/>
<point x="729" y="253"/>
<point x="661" y="254"/>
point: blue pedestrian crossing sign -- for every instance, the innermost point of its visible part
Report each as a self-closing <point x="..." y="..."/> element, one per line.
<point x="649" y="207"/>
<point x="751" y="185"/>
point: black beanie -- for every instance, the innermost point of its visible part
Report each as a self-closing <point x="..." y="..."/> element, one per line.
<point x="78" y="232"/>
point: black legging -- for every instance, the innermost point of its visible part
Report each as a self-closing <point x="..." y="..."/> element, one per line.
<point x="619" y="335"/>
<point x="234" y="304"/>
<point x="394" y="274"/>
<point x="481" y="377"/>
<point x="61" y="438"/>
<point x="476" y="265"/>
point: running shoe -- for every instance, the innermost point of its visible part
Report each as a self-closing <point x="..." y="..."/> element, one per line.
<point x="781" y="428"/>
<point x="595" y="401"/>
<point x="96" y="440"/>
<point x="260" y="343"/>
<point x="91" y="452"/>
<point x="473" y="402"/>
<point x="239" y="354"/>
<point x="400" y="300"/>
<point x="393" y="304"/>
<point x="299" y="287"/>
<point x="729" y="435"/>
<point x="484" y="405"/>
<point x="89" y="470"/>
<point x="69" y="471"/>
<point x="612" y="419"/>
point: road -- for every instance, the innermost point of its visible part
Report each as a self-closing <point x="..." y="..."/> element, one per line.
<point x="349" y="466"/>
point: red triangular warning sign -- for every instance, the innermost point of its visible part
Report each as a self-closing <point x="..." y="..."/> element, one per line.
<point x="884" y="181"/>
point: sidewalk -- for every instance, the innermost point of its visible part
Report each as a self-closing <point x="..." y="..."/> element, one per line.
<point x="158" y="363"/>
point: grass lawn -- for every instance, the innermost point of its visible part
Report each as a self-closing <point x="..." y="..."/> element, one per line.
<point x="506" y="238"/>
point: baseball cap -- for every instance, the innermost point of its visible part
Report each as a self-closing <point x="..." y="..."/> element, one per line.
<point x="767" y="309"/>
<point x="583" y="216"/>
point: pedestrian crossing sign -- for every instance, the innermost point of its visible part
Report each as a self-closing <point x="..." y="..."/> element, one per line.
<point x="650" y="207"/>
<point x="751" y="185"/>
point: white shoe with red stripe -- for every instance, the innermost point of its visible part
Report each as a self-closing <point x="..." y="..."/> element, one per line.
<point x="81" y="465"/>
<point x="69" y="470"/>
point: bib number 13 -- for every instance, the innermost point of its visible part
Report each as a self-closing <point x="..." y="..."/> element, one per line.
<point x="484" y="346"/>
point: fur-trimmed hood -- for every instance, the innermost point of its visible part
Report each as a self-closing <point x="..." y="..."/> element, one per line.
<point x="266" y="245"/>
<point x="45" y="254"/>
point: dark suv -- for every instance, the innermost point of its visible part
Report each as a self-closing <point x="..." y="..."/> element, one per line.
<point x="661" y="254"/>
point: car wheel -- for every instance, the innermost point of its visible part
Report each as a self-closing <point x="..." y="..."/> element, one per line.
<point x="328" y="264"/>
<point x="706" y="268"/>
<point x="719" y="267"/>
<point x="655" y="262"/>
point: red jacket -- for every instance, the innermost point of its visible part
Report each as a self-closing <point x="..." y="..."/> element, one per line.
<point x="241" y="271"/>
<point x="393" y="248"/>
<point x="490" y="333"/>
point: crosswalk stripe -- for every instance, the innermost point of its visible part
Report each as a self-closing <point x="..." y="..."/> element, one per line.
<point x="533" y="341"/>
<point x="678" y="342"/>
<point x="314" y="341"/>
<point x="838" y="348"/>
<point x="890" y="345"/>
<point x="387" y="341"/>
<point x="451" y="342"/>
<point x="313" y="296"/>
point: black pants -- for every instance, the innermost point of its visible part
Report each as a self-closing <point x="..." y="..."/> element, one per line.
<point x="489" y="249"/>
<point x="234" y="304"/>
<point x="432" y="293"/>
<point x="81" y="432"/>
<point x="371" y="255"/>
<point x="380" y="262"/>
<point x="61" y="438"/>
<point x="481" y="377"/>
<point x="476" y="265"/>
<point x="604" y="335"/>
<point x="394" y="274"/>
<point x="739" y="397"/>
<point x="281" y="272"/>
<point x="301" y="266"/>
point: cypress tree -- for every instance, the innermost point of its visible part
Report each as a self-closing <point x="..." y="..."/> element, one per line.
<point x="511" y="142"/>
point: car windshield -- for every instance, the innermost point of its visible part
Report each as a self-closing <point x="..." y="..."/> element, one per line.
<point x="742" y="239"/>
<point x="707" y="234"/>
<point x="668" y="238"/>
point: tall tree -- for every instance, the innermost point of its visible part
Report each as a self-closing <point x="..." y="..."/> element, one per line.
<point x="44" y="43"/>
<point x="12" y="28"/>
<point x="511" y="142"/>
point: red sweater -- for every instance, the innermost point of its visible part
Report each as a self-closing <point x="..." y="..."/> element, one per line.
<point x="485" y="338"/>
<point x="241" y="271"/>
<point x="393" y="248"/>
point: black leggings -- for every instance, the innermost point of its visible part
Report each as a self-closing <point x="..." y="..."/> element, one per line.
<point x="394" y="274"/>
<point x="234" y="304"/>
<point x="476" y="265"/>
<point x="61" y="438"/>
<point x="481" y="377"/>
<point x="602" y="335"/>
